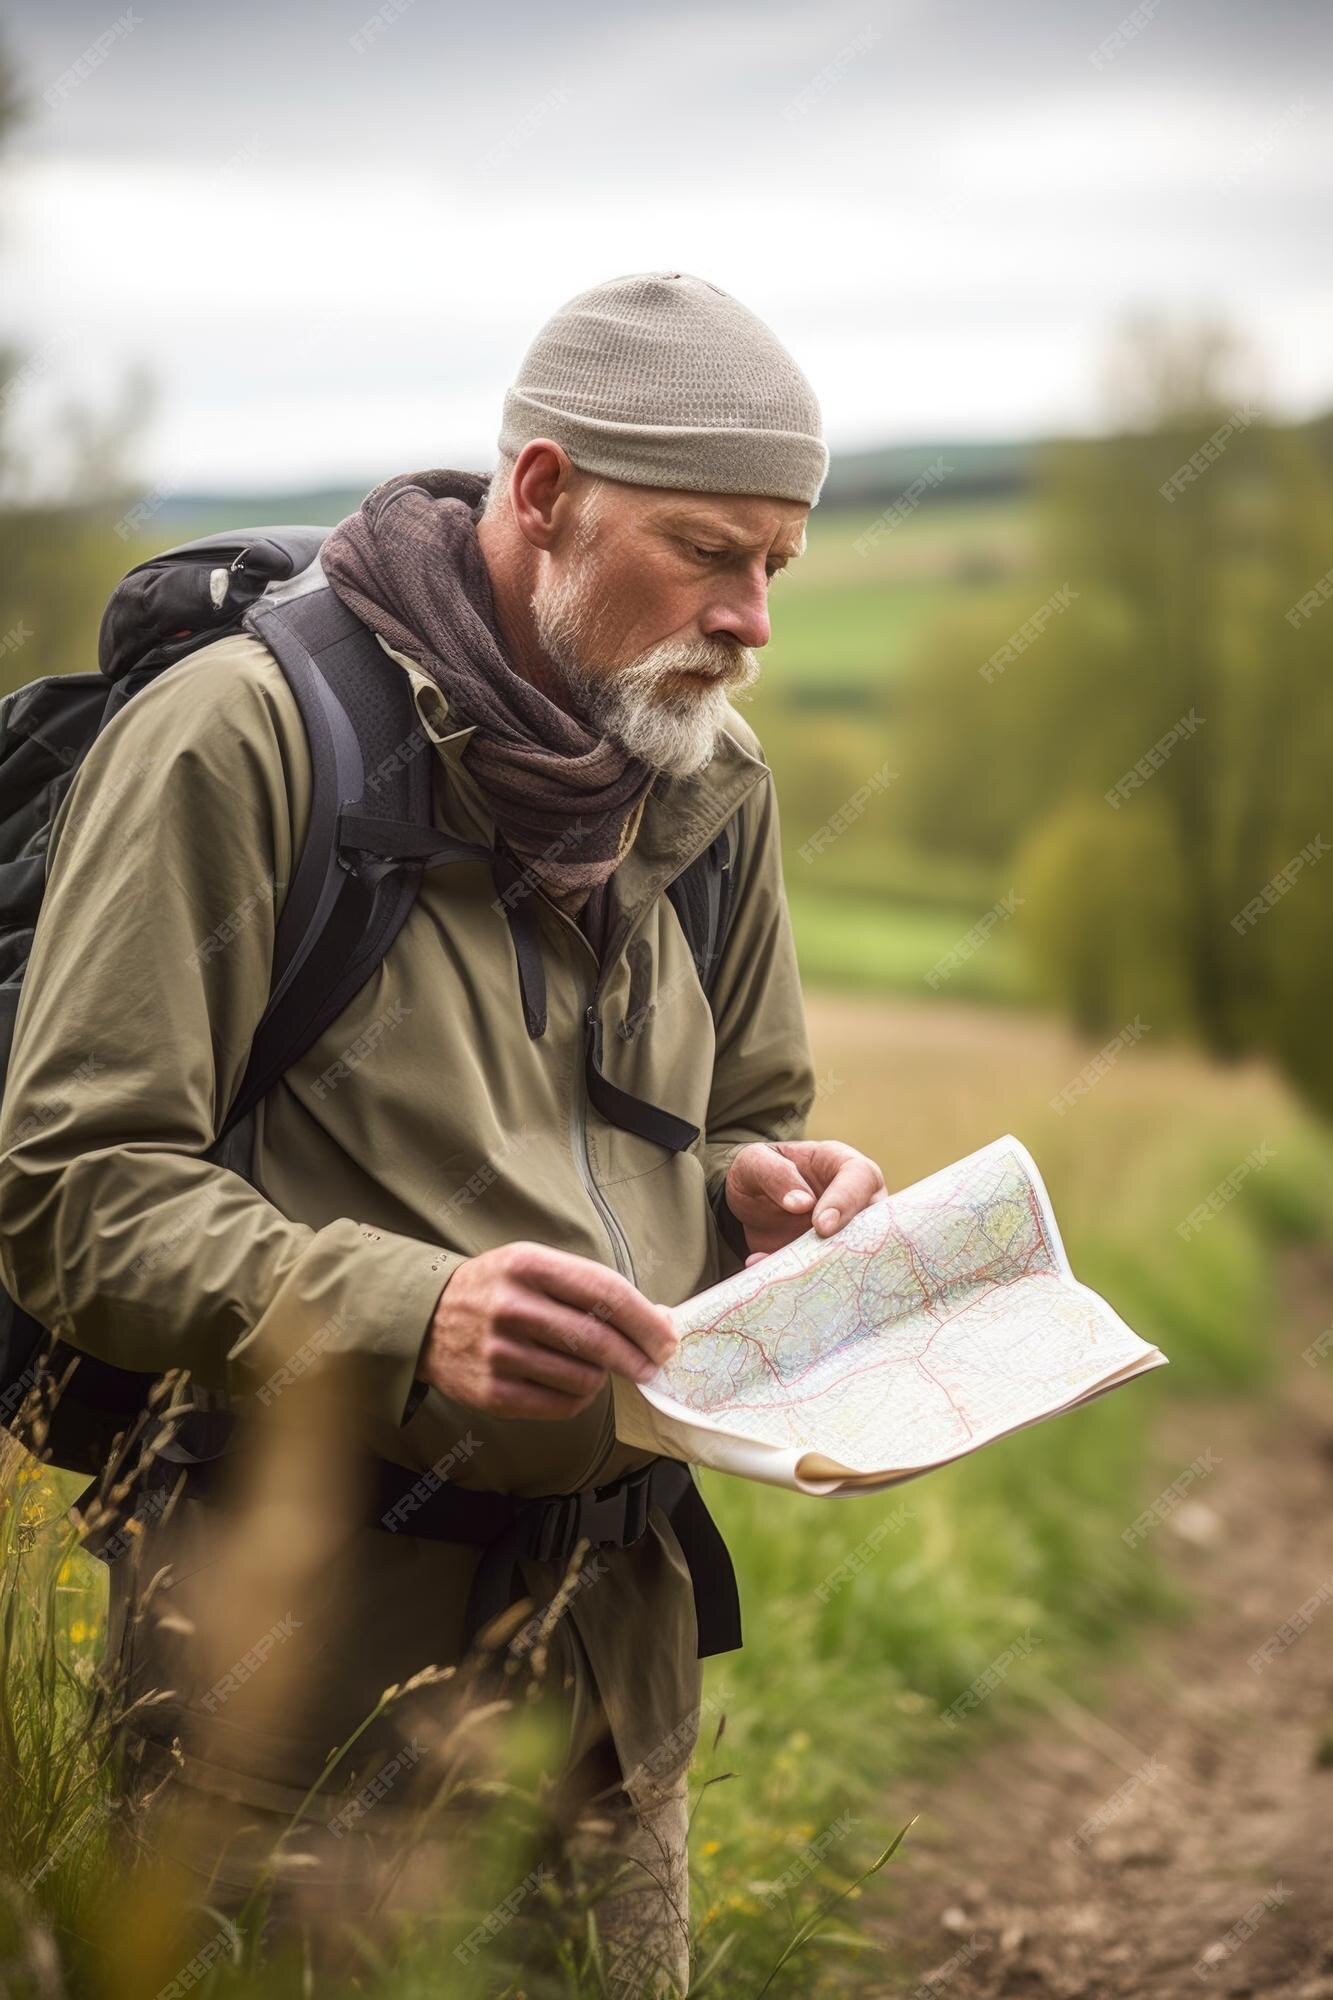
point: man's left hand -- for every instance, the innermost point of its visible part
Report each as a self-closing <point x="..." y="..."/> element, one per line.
<point x="778" y="1189"/>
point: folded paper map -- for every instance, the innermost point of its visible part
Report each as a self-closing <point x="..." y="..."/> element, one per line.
<point x="930" y="1323"/>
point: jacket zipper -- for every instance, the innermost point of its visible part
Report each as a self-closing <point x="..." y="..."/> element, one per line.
<point x="579" y="1127"/>
<point x="579" y="1121"/>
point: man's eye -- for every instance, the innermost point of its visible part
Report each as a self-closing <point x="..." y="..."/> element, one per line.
<point x="707" y="552"/>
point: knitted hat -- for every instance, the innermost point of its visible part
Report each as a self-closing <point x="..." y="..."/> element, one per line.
<point x="662" y="379"/>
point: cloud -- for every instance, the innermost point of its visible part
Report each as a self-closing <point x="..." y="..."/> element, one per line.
<point x="333" y="260"/>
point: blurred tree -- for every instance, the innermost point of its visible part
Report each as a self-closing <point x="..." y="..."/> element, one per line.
<point x="1162" y="751"/>
<point x="1101" y="912"/>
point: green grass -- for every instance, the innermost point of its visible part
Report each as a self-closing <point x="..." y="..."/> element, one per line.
<point x="866" y="943"/>
<point x="846" y="622"/>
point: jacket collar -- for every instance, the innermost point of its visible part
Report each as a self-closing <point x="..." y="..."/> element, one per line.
<point x="681" y="817"/>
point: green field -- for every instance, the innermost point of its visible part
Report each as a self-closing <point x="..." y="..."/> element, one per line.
<point x="847" y="627"/>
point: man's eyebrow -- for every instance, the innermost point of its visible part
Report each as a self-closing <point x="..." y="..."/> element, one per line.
<point x="696" y="524"/>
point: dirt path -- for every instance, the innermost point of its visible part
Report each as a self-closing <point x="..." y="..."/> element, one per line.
<point x="1179" y="1840"/>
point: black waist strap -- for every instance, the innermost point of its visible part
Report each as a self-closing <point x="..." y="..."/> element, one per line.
<point x="544" y="1529"/>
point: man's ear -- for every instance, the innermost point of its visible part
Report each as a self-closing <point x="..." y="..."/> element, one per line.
<point x="544" y="492"/>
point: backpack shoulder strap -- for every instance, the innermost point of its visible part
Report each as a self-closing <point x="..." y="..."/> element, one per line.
<point x="367" y="754"/>
<point x="702" y="898"/>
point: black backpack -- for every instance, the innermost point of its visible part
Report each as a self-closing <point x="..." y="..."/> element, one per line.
<point x="370" y="836"/>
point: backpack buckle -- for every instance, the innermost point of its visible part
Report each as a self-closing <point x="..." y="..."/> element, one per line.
<point x="607" y="1517"/>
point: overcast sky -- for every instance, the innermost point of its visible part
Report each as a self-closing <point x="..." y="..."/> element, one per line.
<point x="330" y="234"/>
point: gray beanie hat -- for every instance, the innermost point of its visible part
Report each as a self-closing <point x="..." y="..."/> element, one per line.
<point x="662" y="379"/>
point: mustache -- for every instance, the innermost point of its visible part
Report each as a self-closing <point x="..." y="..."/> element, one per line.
<point x="723" y="664"/>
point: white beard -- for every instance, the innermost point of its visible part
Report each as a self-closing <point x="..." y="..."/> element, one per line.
<point x="672" y="729"/>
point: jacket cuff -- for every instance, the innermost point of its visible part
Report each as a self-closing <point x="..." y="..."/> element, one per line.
<point x="406" y="1313"/>
<point x="733" y="1235"/>
<point x="360" y="1297"/>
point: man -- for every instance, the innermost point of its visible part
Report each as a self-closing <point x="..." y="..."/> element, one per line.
<point x="436" y="1219"/>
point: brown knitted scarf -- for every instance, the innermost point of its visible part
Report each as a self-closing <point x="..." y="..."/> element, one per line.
<point x="564" y="798"/>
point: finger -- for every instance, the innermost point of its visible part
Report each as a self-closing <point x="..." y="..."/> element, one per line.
<point x="851" y="1188"/>
<point x="770" y="1171"/>
<point x="578" y="1281"/>
<point x="549" y="1367"/>
<point x="544" y="1322"/>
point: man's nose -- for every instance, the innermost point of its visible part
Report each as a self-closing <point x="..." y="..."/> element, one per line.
<point x="742" y="614"/>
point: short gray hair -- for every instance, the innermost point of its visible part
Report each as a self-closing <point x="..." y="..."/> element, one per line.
<point x="497" y="493"/>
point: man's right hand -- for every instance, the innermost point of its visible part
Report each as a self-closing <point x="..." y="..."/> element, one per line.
<point x="528" y="1331"/>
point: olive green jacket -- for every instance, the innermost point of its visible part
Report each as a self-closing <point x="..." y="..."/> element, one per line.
<point x="423" y="1127"/>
